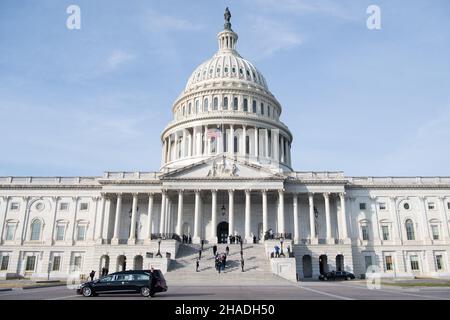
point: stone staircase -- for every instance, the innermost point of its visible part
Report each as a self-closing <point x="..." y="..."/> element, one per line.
<point x="257" y="269"/>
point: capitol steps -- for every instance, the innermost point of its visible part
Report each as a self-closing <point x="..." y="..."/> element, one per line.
<point x="257" y="268"/>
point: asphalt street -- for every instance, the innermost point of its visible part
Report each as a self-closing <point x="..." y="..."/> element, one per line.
<point x="291" y="291"/>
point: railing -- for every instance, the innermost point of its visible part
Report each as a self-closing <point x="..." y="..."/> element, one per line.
<point x="166" y="236"/>
<point x="277" y="236"/>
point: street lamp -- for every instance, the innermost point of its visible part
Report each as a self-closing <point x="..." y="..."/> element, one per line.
<point x="159" y="249"/>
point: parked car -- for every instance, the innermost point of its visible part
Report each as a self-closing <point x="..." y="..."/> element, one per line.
<point x="131" y="281"/>
<point x="337" y="275"/>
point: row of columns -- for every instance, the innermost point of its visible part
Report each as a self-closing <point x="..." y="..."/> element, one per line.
<point x="247" y="215"/>
<point x="197" y="143"/>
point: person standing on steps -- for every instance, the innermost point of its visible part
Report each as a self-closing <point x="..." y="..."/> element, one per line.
<point x="227" y="250"/>
<point x="199" y="254"/>
<point x="152" y="282"/>
<point x="214" y="250"/>
<point x="197" y="265"/>
<point x="203" y="242"/>
<point x="242" y="264"/>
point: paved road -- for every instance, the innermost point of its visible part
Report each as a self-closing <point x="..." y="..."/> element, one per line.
<point x="302" y="291"/>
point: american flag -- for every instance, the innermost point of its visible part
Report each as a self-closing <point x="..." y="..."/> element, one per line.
<point x="214" y="133"/>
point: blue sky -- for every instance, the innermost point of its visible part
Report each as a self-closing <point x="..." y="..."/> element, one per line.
<point x="80" y="102"/>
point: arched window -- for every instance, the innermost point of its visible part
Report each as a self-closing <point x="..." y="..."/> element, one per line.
<point x="254" y="106"/>
<point x="225" y="103"/>
<point x="235" y="103"/>
<point x="245" y="104"/>
<point x="197" y="106"/>
<point x="184" y="110"/>
<point x="262" y="108"/>
<point x="410" y="230"/>
<point x="205" y="105"/>
<point x="36" y="230"/>
<point x="216" y="104"/>
<point x="236" y="145"/>
<point x="189" y="108"/>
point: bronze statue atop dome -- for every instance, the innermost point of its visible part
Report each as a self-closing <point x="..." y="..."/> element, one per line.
<point x="227" y="16"/>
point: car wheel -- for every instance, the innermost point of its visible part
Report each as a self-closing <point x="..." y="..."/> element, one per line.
<point x="145" y="291"/>
<point x="87" y="292"/>
<point x="325" y="278"/>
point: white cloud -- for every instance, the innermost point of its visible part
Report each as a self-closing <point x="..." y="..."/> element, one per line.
<point x="160" y="21"/>
<point x="117" y="58"/>
<point x="299" y="7"/>
<point x="269" y="36"/>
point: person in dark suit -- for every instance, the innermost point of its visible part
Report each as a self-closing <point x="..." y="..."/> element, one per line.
<point x="197" y="265"/>
<point x="214" y="250"/>
<point x="152" y="282"/>
<point x="242" y="264"/>
<point x="199" y="254"/>
<point x="91" y="275"/>
<point x="227" y="250"/>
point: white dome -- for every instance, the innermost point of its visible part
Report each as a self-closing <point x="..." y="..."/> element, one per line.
<point x="225" y="65"/>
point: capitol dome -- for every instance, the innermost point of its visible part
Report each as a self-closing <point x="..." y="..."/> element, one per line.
<point x="227" y="109"/>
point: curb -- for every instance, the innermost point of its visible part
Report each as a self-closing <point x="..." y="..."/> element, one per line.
<point x="48" y="286"/>
<point x="7" y="289"/>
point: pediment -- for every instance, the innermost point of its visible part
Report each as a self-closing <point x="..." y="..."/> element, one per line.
<point x="222" y="168"/>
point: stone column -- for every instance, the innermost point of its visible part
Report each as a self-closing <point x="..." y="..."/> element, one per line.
<point x="169" y="148"/>
<point x="281" y="227"/>
<point x="266" y="142"/>
<point x="213" y="216"/>
<point x="248" y="236"/>
<point x="96" y="218"/>
<point x="296" y="226"/>
<point x="194" y="141"/>
<point x="281" y="149"/>
<point x="164" y="152"/>
<point x="132" y="237"/>
<point x="180" y="213"/>
<point x="25" y="218"/>
<point x="343" y="217"/>
<point x="5" y="202"/>
<point x="196" y="237"/>
<point x="149" y="217"/>
<point x="231" y="139"/>
<point x="176" y="146"/>
<point x="230" y="212"/>
<point x="444" y="219"/>
<point x="205" y="141"/>
<point x="243" y="145"/>
<point x="55" y="210"/>
<point x="115" y="239"/>
<point x="264" y="212"/>
<point x="184" y="144"/>
<point x="275" y="149"/>
<point x="326" y="197"/>
<point x="312" y="228"/>
<point x="376" y="222"/>
<point x="426" y="227"/>
<point x="256" y="143"/>
<point x="99" y="234"/>
<point x="163" y="210"/>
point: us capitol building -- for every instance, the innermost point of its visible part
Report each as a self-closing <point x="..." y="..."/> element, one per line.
<point x="225" y="170"/>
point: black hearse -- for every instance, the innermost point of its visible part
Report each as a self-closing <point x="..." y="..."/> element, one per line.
<point x="131" y="281"/>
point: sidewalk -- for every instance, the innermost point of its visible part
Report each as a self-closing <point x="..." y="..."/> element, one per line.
<point x="17" y="284"/>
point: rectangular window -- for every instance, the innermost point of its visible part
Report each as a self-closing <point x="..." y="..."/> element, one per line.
<point x="15" y="206"/>
<point x="235" y="104"/>
<point x="382" y="206"/>
<point x="448" y="205"/>
<point x="368" y="261"/>
<point x="83" y="206"/>
<point x="362" y="206"/>
<point x="385" y="230"/>
<point x="262" y="108"/>
<point x="435" y="231"/>
<point x="10" y="230"/>
<point x="5" y="263"/>
<point x="389" y="266"/>
<point x="365" y="232"/>
<point x="60" y="230"/>
<point x="31" y="262"/>
<point x="81" y="233"/>
<point x="56" y="263"/>
<point x="77" y="262"/>
<point x="414" y="263"/>
<point x="431" y="206"/>
<point x="439" y="262"/>
<point x="63" y="206"/>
